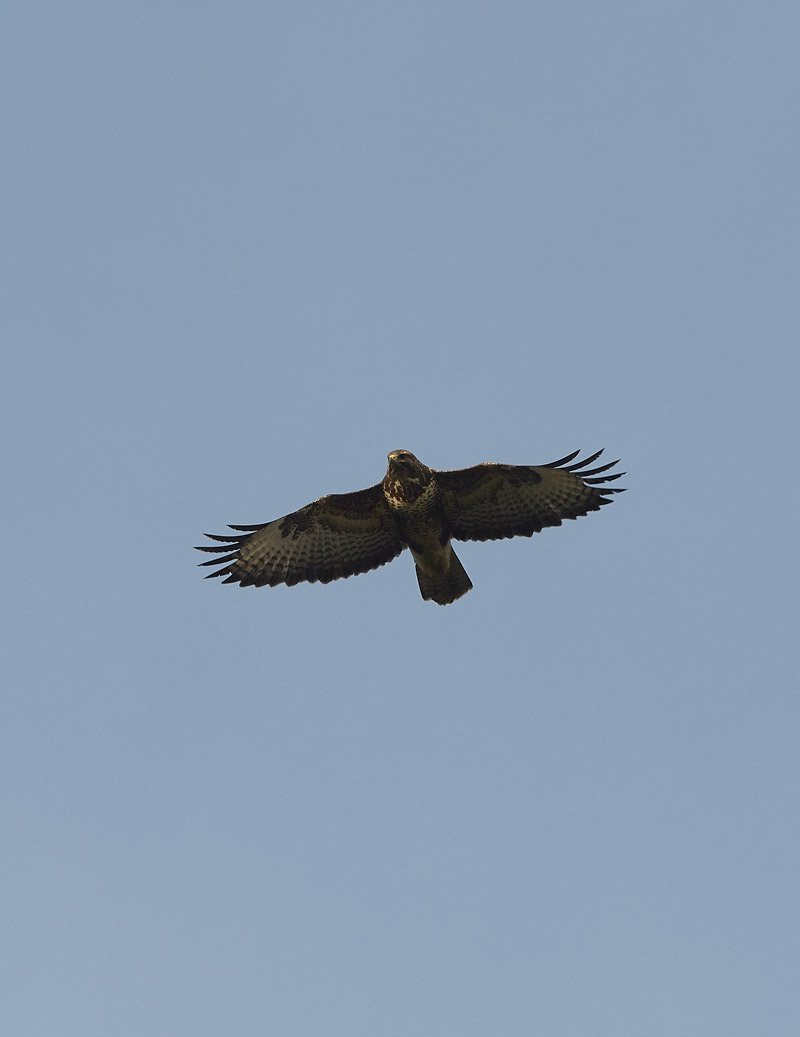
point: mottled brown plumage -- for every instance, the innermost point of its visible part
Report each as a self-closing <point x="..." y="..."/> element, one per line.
<point x="415" y="507"/>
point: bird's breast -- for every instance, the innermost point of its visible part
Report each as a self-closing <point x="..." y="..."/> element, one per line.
<point x="411" y="494"/>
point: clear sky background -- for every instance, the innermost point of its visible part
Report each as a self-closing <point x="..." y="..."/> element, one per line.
<point x="248" y="249"/>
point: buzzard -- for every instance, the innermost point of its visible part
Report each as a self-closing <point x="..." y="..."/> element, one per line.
<point x="416" y="507"/>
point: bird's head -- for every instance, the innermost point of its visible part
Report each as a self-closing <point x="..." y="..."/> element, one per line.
<point x="406" y="477"/>
<point x="402" y="459"/>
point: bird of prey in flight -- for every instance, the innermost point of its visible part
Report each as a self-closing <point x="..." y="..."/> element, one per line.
<point x="416" y="507"/>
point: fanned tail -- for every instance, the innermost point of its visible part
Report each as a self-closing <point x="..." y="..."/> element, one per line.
<point x="447" y="588"/>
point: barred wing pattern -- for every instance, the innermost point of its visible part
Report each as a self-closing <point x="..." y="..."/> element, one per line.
<point x="493" y="501"/>
<point x="336" y="536"/>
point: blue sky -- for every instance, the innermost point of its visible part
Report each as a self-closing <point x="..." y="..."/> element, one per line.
<point x="247" y="251"/>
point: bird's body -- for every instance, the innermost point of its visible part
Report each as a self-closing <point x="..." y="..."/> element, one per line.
<point x="416" y="507"/>
<point x="412" y="492"/>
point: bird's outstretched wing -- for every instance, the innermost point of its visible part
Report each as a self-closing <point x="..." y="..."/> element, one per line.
<point x="493" y="501"/>
<point x="338" y="535"/>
